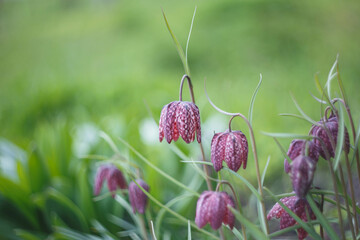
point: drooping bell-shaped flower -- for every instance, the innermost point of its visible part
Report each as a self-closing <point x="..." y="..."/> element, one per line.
<point x="299" y="207"/>
<point x="212" y="208"/>
<point x="302" y="174"/>
<point x="297" y="147"/>
<point x="231" y="147"/>
<point x="332" y="124"/>
<point x="180" y="118"/>
<point x="114" y="177"/>
<point x="137" y="197"/>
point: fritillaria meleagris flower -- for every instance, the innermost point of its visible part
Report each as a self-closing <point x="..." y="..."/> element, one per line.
<point x="297" y="147"/>
<point x="212" y="208"/>
<point x="231" y="147"/>
<point x="332" y="124"/>
<point x="302" y="174"/>
<point x="180" y="118"/>
<point x="299" y="207"/>
<point x="137" y="197"/>
<point x="114" y="177"/>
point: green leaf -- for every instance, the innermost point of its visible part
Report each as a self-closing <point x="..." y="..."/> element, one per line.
<point x="356" y="144"/>
<point x="66" y="202"/>
<point x="292" y="115"/>
<point x="331" y="77"/>
<point x="302" y="112"/>
<point x="237" y="234"/>
<point x="265" y="170"/>
<point x="25" y="235"/>
<point x="187" y="43"/>
<point x="252" y="228"/>
<point x="70" y="234"/>
<point x="321" y="90"/>
<point x="189" y="230"/>
<point x="253" y="99"/>
<point x="341" y="86"/>
<point x="177" y="45"/>
<point x="340" y="137"/>
<point x="161" y="172"/>
<point x="321" y="218"/>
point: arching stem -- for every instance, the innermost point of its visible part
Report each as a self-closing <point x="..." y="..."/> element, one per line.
<point x="252" y="139"/>
<point x="208" y="183"/>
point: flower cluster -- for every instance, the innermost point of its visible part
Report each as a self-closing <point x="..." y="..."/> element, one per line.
<point x="115" y="179"/>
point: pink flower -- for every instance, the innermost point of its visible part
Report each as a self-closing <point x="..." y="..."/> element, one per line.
<point x="231" y="147"/>
<point x="212" y="207"/>
<point x="332" y="124"/>
<point x="112" y="175"/>
<point x="297" y="147"/>
<point x="299" y="207"/>
<point x="137" y="197"/>
<point x="180" y="118"/>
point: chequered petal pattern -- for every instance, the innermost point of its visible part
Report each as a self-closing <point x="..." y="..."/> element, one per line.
<point x="299" y="207"/>
<point x="231" y="147"/>
<point x="297" y="147"/>
<point x="332" y="125"/>
<point x="180" y="118"/>
<point x="212" y="208"/>
<point x="302" y="174"/>
<point x="137" y="197"/>
<point x="114" y="177"/>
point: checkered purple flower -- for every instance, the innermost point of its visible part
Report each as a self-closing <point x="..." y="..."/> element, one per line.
<point x="212" y="207"/>
<point x="114" y="177"/>
<point x="137" y="197"/>
<point x="299" y="207"/>
<point x="297" y="147"/>
<point x="231" y="147"/>
<point x="180" y="118"/>
<point x="302" y="174"/>
<point x="332" y="124"/>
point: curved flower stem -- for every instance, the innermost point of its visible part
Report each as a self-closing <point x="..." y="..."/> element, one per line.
<point x="190" y="88"/>
<point x="342" y="180"/>
<point x="353" y="131"/>
<point x="238" y="205"/>
<point x="252" y="138"/>
<point x="208" y="183"/>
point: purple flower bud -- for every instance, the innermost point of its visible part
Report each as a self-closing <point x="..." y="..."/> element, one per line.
<point x="297" y="147"/>
<point x="332" y="124"/>
<point x="212" y="207"/>
<point x="114" y="177"/>
<point x="302" y="174"/>
<point x="137" y="197"/>
<point x="180" y="118"/>
<point x="299" y="207"/>
<point x="231" y="147"/>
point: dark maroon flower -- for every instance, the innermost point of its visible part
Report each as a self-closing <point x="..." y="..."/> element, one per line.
<point x="137" y="197"/>
<point x="299" y="207"/>
<point x="297" y="147"/>
<point x="231" y="147"/>
<point x="302" y="174"/>
<point x="180" y="118"/>
<point x="212" y="208"/>
<point x="114" y="177"/>
<point x="332" y="124"/>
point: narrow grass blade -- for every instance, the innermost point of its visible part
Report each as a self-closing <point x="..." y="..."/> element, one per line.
<point x="318" y="99"/>
<point x="237" y="234"/>
<point x="341" y="86"/>
<point x="61" y="232"/>
<point x="152" y="230"/>
<point x="292" y="115"/>
<point x="161" y="172"/>
<point x="331" y="77"/>
<point x="252" y="228"/>
<point x="340" y="137"/>
<point x="177" y="45"/>
<point x="189" y="230"/>
<point x="175" y="214"/>
<point x="265" y="169"/>
<point x="356" y="144"/>
<point x="111" y="143"/>
<point x="304" y="225"/>
<point x="302" y="112"/>
<point x="319" y="216"/>
<point x="251" y="107"/>
<point x="66" y="202"/>
<point x="321" y="90"/>
<point x="187" y="43"/>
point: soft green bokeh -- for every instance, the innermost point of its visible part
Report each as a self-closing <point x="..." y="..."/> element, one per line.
<point x="104" y="63"/>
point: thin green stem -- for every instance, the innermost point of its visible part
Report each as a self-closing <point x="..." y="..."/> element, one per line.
<point x="352" y="194"/>
<point x="143" y="227"/>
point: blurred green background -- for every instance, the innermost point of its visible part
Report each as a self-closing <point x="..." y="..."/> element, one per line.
<point x="72" y="68"/>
